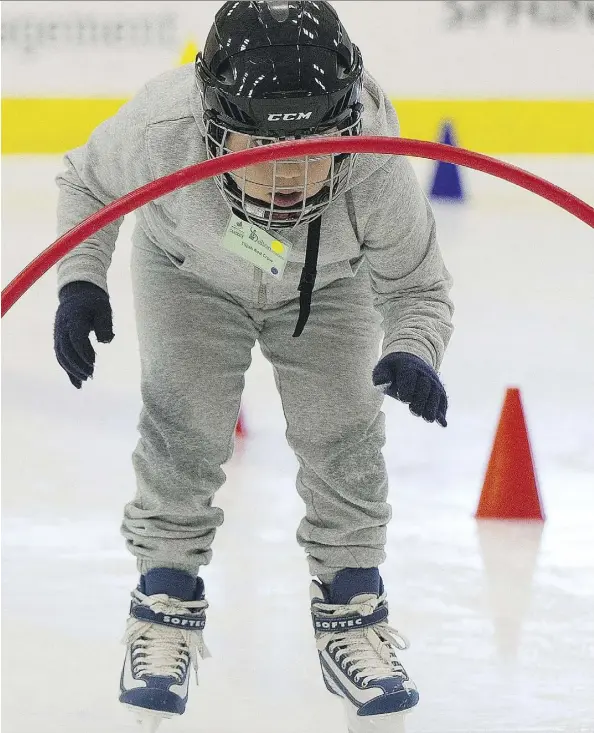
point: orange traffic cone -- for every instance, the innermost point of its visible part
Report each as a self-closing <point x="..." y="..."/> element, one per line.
<point x="240" y="427"/>
<point x="510" y="490"/>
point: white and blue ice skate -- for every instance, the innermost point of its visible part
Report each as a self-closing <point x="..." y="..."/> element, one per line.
<point x="357" y="651"/>
<point x="163" y="640"/>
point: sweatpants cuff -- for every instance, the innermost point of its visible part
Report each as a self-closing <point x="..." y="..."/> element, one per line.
<point x="145" y="565"/>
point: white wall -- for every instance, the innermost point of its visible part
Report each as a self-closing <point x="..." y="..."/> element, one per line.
<point x="416" y="48"/>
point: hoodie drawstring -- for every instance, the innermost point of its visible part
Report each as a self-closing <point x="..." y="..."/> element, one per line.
<point x="308" y="274"/>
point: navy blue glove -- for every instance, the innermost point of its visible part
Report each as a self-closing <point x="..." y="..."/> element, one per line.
<point x="84" y="307"/>
<point x="408" y="378"/>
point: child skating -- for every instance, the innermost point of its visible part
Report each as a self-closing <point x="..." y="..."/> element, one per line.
<point x="315" y="259"/>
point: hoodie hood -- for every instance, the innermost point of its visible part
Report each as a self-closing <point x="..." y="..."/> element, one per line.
<point x="379" y="120"/>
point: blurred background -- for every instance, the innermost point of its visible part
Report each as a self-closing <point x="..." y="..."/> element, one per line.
<point x="499" y="612"/>
<point x="516" y="77"/>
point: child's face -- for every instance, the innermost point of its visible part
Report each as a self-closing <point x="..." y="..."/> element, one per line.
<point x="289" y="189"/>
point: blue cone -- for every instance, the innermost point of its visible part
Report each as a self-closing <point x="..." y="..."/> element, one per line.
<point x="446" y="183"/>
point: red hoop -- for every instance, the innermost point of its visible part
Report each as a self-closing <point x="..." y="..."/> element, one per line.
<point x="199" y="171"/>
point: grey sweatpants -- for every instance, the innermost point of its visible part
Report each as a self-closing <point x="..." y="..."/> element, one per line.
<point x="195" y="347"/>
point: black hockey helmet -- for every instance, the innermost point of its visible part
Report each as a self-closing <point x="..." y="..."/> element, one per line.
<point x="279" y="68"/>
<point x="274" y="71"/>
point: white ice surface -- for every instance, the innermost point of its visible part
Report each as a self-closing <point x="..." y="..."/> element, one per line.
<point x="501" y="616"/>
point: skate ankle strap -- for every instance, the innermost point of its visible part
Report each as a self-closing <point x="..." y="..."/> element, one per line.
<point x="188" y="622"/>
<point x="329" y="624"/>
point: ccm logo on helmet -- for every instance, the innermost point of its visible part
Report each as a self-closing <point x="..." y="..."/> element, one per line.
<point x="289" y="116"/>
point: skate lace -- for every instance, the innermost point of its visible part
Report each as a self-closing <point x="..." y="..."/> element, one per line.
<point x="365" y="654"/>
<point x="160" y="650"/>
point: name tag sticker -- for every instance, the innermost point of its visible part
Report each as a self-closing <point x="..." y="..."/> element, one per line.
<point x="256" y="246"/>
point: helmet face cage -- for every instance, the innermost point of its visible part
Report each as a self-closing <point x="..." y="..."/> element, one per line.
<point x="270" y="215"/>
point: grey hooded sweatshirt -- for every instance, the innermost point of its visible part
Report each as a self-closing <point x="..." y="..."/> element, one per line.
<point x="382" y="221"/>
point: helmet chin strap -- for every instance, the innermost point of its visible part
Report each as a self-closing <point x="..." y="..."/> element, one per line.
<point x="254" y="209"/>
<point x="308" y="274"/>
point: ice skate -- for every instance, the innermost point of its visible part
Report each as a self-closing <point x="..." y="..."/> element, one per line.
<point x="164" y="640"/>
<point x="357" y="651"/>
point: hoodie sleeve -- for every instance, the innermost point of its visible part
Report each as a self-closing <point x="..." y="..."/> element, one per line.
<point x="112" y="163"/>
<point x="410" y="282"/>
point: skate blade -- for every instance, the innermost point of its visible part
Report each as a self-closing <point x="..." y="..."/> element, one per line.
<point x="391" y="723"/>
<point x="149" y="726"/>
<point x="147" y="721"/>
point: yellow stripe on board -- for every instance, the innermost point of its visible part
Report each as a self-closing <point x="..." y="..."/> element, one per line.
<point x="502" y="125"/>
<point x="487" y="126"/>
<point x="51" y="125"/>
